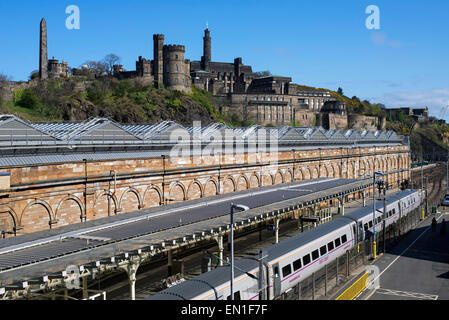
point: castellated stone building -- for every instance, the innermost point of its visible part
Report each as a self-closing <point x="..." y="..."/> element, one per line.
<point x="265" y="100"/>
<point x="271" y="100"/>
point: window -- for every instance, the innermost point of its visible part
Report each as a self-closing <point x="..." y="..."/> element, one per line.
<point x="286" y="270"/>
<point x="330" y="246"/>
<point x="394" y="210"/>
<point x="296" y="264"/>
<point x="237" y="295"/>
<point x="343" y="238"/>
<point x="365" y="226"/>
<point x="306" y="260"/>
<point x="370" y="224"/>
<point x="323" y="250"/>
<point x="315" y="255"/>
<point x="337" y="242"/>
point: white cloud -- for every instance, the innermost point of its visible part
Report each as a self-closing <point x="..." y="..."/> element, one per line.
<point x="435" y="100"/>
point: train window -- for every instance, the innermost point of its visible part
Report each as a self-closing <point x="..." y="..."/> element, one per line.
<point x="315" y="255"/>
<point x="330" y="246"/>
<point x="296" y="264"/>
<point x="343" y="238"/>
<point x="323" y="250"/>
<point x="286" y="270"/>
<point x="306" y="260"/>
<point x="366" y="226"/>
<point x="370" y="224"/>
<point x="394" y="210"/>
<point x="237" y="295"/>
<point x="337" y="242"/>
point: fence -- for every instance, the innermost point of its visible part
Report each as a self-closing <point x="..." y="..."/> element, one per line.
<point x="328" y="280"/>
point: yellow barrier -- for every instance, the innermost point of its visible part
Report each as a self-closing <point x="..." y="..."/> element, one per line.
<point x="355" y="289"/>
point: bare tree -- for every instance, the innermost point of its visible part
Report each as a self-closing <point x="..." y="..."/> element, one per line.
<point x="261" y="74"/>
<point x="99" y="67"/>
<point x="4" y="77"/>
<point x="34" y="74"/>
<point x="111" y="60"/>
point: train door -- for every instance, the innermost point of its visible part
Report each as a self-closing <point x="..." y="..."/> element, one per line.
<point x="361" y="232"/>
<point x="276" y="281"/>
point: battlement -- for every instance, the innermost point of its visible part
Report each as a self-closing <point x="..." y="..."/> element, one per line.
<point x="158" y="37"/>
<point x="174" y="48"/>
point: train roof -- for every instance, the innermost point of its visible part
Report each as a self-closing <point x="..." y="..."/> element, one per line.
<point x="206" y="281"/>
<point x="192" y="288"/>
<point x="359" y="213"/>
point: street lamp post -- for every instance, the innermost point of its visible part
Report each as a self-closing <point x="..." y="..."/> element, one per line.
<point x="374" y="212"/>
<point x="238" y="207"/>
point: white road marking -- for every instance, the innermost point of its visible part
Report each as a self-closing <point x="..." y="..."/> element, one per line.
<point x="414" y="295"/>
<point x="400" y="255"/>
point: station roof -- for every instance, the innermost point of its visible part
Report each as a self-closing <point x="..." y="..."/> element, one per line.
<point x="104" y="131"/>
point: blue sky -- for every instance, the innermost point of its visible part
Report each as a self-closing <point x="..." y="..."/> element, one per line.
<point x="318" y="43"/>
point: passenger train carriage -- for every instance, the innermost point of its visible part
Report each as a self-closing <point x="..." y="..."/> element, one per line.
<point x="289" y="262"/>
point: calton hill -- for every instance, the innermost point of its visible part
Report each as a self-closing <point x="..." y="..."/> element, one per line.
<point x="94" y="92"/>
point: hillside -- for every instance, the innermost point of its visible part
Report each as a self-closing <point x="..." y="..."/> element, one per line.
<point x="125" y="101"/>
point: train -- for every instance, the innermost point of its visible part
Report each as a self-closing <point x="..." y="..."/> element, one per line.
<point x="290" y="261"/>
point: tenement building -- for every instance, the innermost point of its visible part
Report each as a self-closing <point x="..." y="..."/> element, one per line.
<point x="56" y="174"/>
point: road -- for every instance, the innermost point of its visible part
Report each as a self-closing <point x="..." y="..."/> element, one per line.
<point x="417" y="268"/>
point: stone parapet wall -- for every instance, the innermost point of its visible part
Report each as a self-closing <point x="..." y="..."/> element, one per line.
<point x="53" y="195"/>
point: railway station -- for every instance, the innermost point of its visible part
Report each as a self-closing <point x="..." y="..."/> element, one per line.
<point x="83" y="200"/>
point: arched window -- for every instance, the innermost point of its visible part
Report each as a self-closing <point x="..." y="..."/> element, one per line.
<point x="176" y="68"/>
<point x="167" y="68"/>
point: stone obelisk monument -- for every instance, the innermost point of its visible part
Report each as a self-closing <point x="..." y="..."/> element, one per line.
<point x="43" y="59"/>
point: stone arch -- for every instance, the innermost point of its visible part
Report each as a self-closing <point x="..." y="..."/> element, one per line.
<point x="336" y="169"/>
<point x="66" y="215"/>
<point x="350" y="173"/>
<point x="103" y="209"/>
<point x="278" y="178"/>
<point x="210" y="188"/>
<point x="152" y="197"/>
<point x="127" y="203"/>
<point x="229" y="184"/>
<point x="306" y="173"/>
<point x="288" y="176"/>
<point x="330" y="171"/>
<point x="267" y="179"/>
<point x="195" y="190"/>
<point x="314" y="172"/>
<point x="254" y="181"/>
<point x="38" y="218"/>
<point x="323" y="173"/>
<point x="298" y="174"/>
<point x="177" y="193"/>
<point x="8" y="219"/>
<point x="377" y="164"/>
<point x="242" y="183"/>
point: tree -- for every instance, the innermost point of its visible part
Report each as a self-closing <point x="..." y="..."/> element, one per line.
<point x="111" y="60"/>
<point x="261" y="74"/>
<point x="34" y="74"/>
<point x="100" y="67"/>
<point x="4" y="77"/>
<point x="340" y="91"/>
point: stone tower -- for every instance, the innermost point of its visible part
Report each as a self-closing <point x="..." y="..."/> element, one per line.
<point x="158" y="62"/>
<point x="43" y="60"/>
<point x="207" y="50"/>
<point x="176" y="69"/>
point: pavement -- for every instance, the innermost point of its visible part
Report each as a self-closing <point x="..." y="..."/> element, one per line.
<point x="417" y="268"/>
